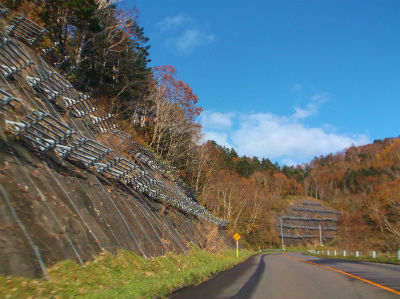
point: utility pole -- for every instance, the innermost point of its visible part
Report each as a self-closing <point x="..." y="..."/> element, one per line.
<point x="283" y="248"/>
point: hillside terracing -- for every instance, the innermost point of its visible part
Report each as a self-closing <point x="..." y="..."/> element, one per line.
<point x="71" y="183"/>
<point x="307" y="222"/>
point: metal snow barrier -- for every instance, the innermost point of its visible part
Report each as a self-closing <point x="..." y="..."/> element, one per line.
<point x="306" y="227"/>
<point x="6" y="99"/>
<point x="149" y="157"/>
<point x="144" y="182"/>
<point x="12" y="58"/>
<point x="85" y="150"/>
<point x="303" y="237"/>
<point x="104" y="123"/>
<point x="51" y="85"/>
<point x="59" y="58"/>
<point x="124" y="136"/>
<point x="314" y="211"/>
<point x="81" y="105"/>
<point x="118" y="167"/>
<point x="25" y="30"/>
<point x="42" y="129"/>
<point x="189" y="190"/>
<point x="189" y="206"/>
<point x="308" y="219"/>
<point x="308" y="203"/>
<point x="3" y="11"/>
<point x="56" y="55"/>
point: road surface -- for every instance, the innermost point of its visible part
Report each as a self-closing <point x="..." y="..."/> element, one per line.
<point x="296" y="275"/>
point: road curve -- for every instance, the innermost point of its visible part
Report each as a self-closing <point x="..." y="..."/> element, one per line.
<point x="296" y="275"/>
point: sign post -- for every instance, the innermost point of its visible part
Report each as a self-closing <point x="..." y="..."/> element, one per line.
<point x="237" y="237"/>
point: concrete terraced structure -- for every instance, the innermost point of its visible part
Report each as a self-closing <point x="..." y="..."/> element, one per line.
<point x="71" y="183"/>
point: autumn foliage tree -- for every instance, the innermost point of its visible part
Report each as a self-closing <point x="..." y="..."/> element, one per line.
<point x="175" y="132"/>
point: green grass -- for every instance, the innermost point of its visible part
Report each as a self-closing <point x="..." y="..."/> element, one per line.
<point x="126" y="275"/>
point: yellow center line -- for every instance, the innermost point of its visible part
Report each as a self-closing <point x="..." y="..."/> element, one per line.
<point x="348" y="274"/>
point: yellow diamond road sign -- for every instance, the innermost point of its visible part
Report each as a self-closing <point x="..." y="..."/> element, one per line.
<point x="237" y="236"/>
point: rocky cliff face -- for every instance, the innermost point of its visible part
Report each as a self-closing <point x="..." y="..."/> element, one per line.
<point x="71" y="183"/>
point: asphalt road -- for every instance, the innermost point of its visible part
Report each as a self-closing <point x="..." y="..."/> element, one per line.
<point x="296" y="275"/>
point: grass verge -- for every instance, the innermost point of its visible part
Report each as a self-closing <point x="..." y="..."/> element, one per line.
<point x="125" y="275"/>
<point x="383" y="260"/>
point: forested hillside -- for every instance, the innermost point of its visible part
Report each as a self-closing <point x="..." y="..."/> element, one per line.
<point x="105" y="52"/>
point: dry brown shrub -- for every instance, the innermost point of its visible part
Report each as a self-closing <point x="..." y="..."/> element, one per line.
<point x="166" y="242"/>
<point x="31" y="10"/>
<point x="210" y="238"/>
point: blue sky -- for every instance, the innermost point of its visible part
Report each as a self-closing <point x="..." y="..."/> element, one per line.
<point x="284" y="80"/>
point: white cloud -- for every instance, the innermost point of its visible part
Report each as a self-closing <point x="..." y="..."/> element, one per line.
<point x="312" y="107"/>
<point x="304" y="113"/>
<point x="171" y="23"/>
<point x="182" y="34"/>
<point x="266" y="135"/>
<point x="219" y="138"/>
<point x="289" y="162"/>
<point x="191" y="39"/>
<point x="210" y="119"/>
<point x="284" y="138"/>
<point x="297" y="87"/>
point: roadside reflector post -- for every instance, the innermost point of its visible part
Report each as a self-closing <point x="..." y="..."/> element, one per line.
<point x="398" y="254"/>
<point x="374" y="254"/>
<point x="237" y="237"/>
<point x="320" y="236"/>
<point x="283" y="246"/>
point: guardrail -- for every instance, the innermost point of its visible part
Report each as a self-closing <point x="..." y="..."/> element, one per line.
<point x="358" y="253"/>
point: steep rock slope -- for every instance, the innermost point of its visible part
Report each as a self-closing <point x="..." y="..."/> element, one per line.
<point x="71" y="183"/>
